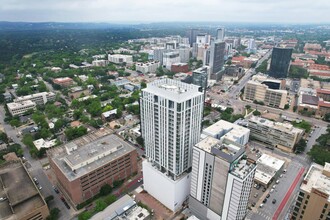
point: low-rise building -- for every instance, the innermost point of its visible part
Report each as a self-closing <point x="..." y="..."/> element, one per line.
<point x="100" y="62"/>
<point x="20" y="107"/>
<point x="78" y="91"/>
<point x="313" y="201"/>
<point x="120" y="58"/>
<point x="268" y="168"/>
<point x="323" y="108"/>
<point x="39" y="98"/>
<point x="41" y="143"/>
<point x="148" y="67"/>
<point x="180" y="68"/>
<point x="21" y="200"/>
<point x="274" y="134"/>
<point x="223" y="129"/>
<point x="63" y="81"/>
<point x="84" y="165"/>
<point x="109" y="115"/>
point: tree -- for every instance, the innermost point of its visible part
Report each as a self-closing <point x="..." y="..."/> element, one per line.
<point x="54" y="214"/>
<point x="140" y="140"/>
<point x="297" y="72"/>
<point x="262" y="67"/>
<point x="100" y="205"/>
<point x="300" y="146"/>
<point x="105" y="190"/>
<point x="327" y="117"/>
<point x="160" y="71"/>
<point x="248" y="107"/>
<point x="49" y="198"/>
<point x="303" y="125"/>
<point x="143" y="85"/>
<point x="110" y="199"/>
<point x="85" y="215"/>
<point x="256" y="113"/>
<point x="72" y="133"/>
<point x="286" y="106"/>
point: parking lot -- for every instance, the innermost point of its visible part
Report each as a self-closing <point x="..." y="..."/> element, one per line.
<point x="277" y="191"/>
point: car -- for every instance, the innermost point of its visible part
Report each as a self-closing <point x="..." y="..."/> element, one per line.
<point x="264" y="189"/>
<point x="268" y="195"/>
<point x="140" y="180"/>
<point x="274" y="186"/>
<point x="284" y="171"/>
<point x="56" y="190"/>
<point x="277" y="182"/>
<point x="257" y="151"/>
<point x="40" y="187"/>
<point x="256" y="185"/>
<point x="261" y="205"/>
<point x="253" y="204"/>
<point x="35" y="181"/>
<point x="264" y="201"/>
<point x="274" y="201"/>
<point x="281" y="175"/>
<point x="255" y="195"/>
<point x="272" y="190"/>
<point x="3" y="199"/>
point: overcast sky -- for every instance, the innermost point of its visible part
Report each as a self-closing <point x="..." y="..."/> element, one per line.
<point x="283" y="11"/>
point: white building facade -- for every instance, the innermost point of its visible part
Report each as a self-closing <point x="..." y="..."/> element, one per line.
<point x="171" y="116"/>
<point x="39" y="98"/>
<point x="20" y="107"/>
<point x="120" y="58"/>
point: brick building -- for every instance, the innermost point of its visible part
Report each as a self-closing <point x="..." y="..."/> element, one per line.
<point x="64" y="81"/>
<point x="84" y="165"/>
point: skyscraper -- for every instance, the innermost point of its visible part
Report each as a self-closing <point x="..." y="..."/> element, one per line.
<point x="220" y="34"/>
<point x="192" y="34"/>
<point x="217" y="60"/>
<point x="221" y="180"/>
<point x="171" y="116"/>
<point x="280" y="62"/>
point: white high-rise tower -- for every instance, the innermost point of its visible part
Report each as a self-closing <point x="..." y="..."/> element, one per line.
<point x="171" y="117"/>
<point x="220" y="34"/>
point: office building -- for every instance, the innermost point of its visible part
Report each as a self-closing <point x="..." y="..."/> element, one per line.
<point x="20" y="108"/>
<point x="171" y="116"/>
<point x="203" y="38"/>
<point x="313" y="201"/>
<point x="184" y="53"/>
<point x="274" y="134"/>
<point x="84" y="165"/>
<point x="220" y="34"/>
<point x="149" y="67"/>
<point x="120" y="58"/>
<point x="192" y="36"/>
<point x="252" y="46"/>
<point x="221" y="180"/>
<point x="280" y="62"/>
<point x="63" y="81"/>
<point x="224" y="129"/>
<point x="23" y="200"/>
<point x="270" y="91"/>
<point x="39" y="98"/>
<point x="217" y="60"/>
<point x="158" y="53"/>
<point x="170" y="58"/>
<point x="200" y="77"/>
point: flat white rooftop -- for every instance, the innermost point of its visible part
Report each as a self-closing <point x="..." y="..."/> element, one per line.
<point x="316" y="179"/>
<point x="276" y="125"/>
<point x="267" y="167"/>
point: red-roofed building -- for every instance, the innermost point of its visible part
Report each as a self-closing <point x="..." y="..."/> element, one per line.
<point x="243" y="61"/>
<point x="322" y="75"/>
<point x="64" y="81"/>
<point x="324" y="108"/>
<point x="324" y="94"/>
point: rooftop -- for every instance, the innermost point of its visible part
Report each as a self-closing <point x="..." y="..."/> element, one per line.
<point x="45" y="144"/>
<point x="309" y="99"/>
<point x="34" y="95"/>
<point x="275" y="125"/>
<point x="20" y="104"/>
<point x="267" y="167"/>
<point x="81" y="156"/>
<point x="226" y="128"/>
<point x="63" y="79"/>
<point x="175" y="89"/>
<point x="21" y="192"/>
<point x="317" y="178"/>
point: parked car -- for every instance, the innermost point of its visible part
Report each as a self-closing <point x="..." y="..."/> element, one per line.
<point x="277" y="182"/>
<point x="268" y="195"/>
<point x="274" y="201"/>
<point x="3" y="199"/>
<point x="264" y="189"/>
<point x="253" y="204"/>
<point x="264" y="201"/>
<point x="56" y="190"/>
<point x="274" y="186"/>
<point x="261" y="205"/>
<point x="256" y="195"/>
<point x="272" y="190"/>
<point x="35" y="181"/>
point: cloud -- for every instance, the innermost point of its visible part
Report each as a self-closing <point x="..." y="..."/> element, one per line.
<point x="291" y="11"/>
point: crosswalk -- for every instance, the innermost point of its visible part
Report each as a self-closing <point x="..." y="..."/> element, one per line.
<point x="257" y="215"/>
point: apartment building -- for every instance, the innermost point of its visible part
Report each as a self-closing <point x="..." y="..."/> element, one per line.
<point x="269" y="92"/>
<point x="313" y="201"/>
<point x="221" y="180"/>
<point x="171" y="118"/>
<point x="23" y="201"/>
<point x="170" y="58"/>
<point x="100" y="62"/>
<point x="120" y="58"/>
<point x="20" y="107"/>
<point x="274" y="134"/>
<point x="39" y="98"/>
<point x="224" y="129"/>
<point x="148" y="67"/>
<point x="84" y="165"/>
